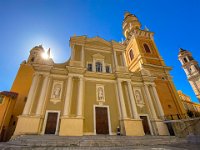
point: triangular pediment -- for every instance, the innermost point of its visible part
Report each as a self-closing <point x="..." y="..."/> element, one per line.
<point x="98" y="56"/>
<point x="97" y="41"/>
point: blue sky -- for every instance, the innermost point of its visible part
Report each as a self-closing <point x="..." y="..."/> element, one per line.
<point x="27" y="23"/>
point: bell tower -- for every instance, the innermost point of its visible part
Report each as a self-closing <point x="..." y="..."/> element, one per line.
<point x="191" y="69"/>
<point x="143" y="55"/>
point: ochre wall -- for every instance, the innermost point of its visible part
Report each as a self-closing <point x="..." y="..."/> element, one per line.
<point x="21" y="85"/>
<point x="90" y="101"/>
<point x="167" y="97"/>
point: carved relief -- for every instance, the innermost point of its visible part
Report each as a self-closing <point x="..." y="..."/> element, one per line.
<point x="138" y="98"/>
<point x="56" y="92"/>
<point x="100" y="93"/>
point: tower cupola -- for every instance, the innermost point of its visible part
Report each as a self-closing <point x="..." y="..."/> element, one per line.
<point x="130" y="24"/>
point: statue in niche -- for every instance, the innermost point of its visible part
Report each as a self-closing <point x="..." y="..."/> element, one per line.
<point x="100" y="93"/>
<point x="56" y="91"/>
<point x="138" y="97"/>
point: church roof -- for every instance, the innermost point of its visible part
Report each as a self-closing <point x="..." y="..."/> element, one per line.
<point x="182" y="50"/>
<point x="13" y="95"/>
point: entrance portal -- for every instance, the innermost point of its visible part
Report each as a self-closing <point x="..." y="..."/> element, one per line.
<point x="51" y="123"/>
<point x="101" y="120"/>
<point x="145" y="125"/>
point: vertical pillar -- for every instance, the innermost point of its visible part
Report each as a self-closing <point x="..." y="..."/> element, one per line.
<point x="115" y="58"/>
<point x="68" y="96"/>
<point x="80" y="98"/>
<point x="158" y="101"/>
<point x="152" y="109"/>
<point x="94" y="65"/>
<point x="123" y="59"/>
<point x="123" y="107"/>
<point x="82" y="55"/>
<point x="103" y="67"/>
<point x="132" y="100"/>
<point x="42" y="95"/>
<point x="73" y="52"/>
<point x="31" y="94"/>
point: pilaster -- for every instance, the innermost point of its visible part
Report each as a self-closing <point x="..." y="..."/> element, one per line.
<point x="31" y="94"/>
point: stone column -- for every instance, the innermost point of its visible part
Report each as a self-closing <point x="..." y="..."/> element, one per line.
<point x="68" y="97"/>
<point x="94" y="65"/>
<point x="73" y="52"/>
<point x="82" y="56"/>
<point x="103" y="67"/>
<point x="80" y="98"/>
<point x="115" y="58"/>
<point x="132" y="100"/>
<point x="123" y="59"/>
<point x="42" y="95"/>
<point x="158" y="101"/>
<point x="121" y="97"/>
<point x="152" y="109"/>
<point x="31" y="94"/>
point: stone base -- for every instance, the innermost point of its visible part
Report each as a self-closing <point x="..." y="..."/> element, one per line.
<point x="71" y="127"/>
<point x="27" y="125"/>
<point x="161" y="127"/>
<point x="133" y="127"/>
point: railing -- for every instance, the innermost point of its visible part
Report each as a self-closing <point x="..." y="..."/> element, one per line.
<point x="191" y="114"/>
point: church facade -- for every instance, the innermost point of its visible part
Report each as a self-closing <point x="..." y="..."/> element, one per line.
<point x="104" y="86"/>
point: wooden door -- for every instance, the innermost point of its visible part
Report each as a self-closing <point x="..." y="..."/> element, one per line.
<point x="170" y="128"/>
<point x="51" y="123"/>
<point x="145" y="124"/>
<point x="101" y="120"/>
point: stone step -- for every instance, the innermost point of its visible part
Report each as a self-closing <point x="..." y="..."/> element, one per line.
<point x="91" y="141"/>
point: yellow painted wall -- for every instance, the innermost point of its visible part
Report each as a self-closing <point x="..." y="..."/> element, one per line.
<point x="3" y="107"/>
<point x="90" y="101"/>
<point x="167" y="98"/>
<point x="21" y="85"/>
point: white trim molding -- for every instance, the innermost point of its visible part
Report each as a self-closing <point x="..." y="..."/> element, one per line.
<point x="149" y="122"/>
<point x="45" y="121"/>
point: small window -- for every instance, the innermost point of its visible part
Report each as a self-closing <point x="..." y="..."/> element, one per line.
<point x="1" y="99"/>
<point x="14" y="123"/>
<point x="107" y="69"/>
<point x="25" y="99"/>
<point x="131" y="54"/>
<point x="185" y="60"/>
<point x="98" y="67"/>
<point x="32" y="59"/>
<point x="89" y="67"/>
<point x="147" y="49"/>
<point x="169" y="106"/>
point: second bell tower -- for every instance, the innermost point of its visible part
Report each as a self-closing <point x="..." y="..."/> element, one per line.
<point x="142" y="54"/>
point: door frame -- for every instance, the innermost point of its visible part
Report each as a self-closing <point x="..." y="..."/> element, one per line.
<point x="94" y="117"/>
<point x="149" y="123"/>
<point x="45" y="121"/>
